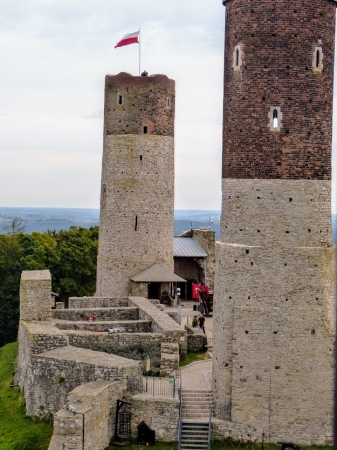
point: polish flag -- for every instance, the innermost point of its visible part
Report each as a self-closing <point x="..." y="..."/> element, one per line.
<point x="131" y="38"/>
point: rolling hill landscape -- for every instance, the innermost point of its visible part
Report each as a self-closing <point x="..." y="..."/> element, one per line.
<point x="43" y="219"/>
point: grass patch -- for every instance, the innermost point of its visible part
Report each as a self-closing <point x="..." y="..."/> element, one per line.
<point x="17" y="431"/>
<point x="218" y="445"/>
<point x="192" y="357"/>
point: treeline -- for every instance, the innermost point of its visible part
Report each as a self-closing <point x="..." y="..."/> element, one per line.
<point x="70" y="255"/>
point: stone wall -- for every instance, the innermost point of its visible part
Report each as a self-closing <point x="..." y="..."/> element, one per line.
<point x="275" y="340"/>
<point x="100" y="314"/>
<point x="160" y="414"/>
<point x="137" y="186"/>
<point x="128" y="326"/>
<point x="35" y="295"/>
<point x="169" y="359"/>
<point x="196" y="339"/>
<point x="97" y="302"/>
<point x="129" y="345"/>
<point x="161" y="323"/>
<point x="91" y="424"/>
<point x="55" y="373"/>
<point x="139" y="289"/>
<point x="222" y="429"/>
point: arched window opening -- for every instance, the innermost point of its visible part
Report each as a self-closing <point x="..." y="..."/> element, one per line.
<point x="318" y="57"/>
<point x="275" y="118"/>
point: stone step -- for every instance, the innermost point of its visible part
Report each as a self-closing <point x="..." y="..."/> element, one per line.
<point x="99" y="314"/>
<point x="97" y="302"/>
<point x="200" y="411"/>
<point x="121" y="326"/>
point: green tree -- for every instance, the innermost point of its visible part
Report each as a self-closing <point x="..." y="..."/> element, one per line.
<point x="38" y="250"/>
<point x="73" y="265"/>
<point x="10" y="272"/>
<point x="70" y="255"/>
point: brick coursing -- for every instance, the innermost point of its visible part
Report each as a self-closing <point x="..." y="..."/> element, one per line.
<point x="277" y="41"/>
<point x="275" y="286"/>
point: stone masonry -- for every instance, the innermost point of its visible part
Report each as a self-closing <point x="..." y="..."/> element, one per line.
<point x="137" y="187"/>
<point x="274" y="313"/>
<point x="58" y="361"/>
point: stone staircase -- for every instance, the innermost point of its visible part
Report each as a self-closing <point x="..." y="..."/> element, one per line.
<point x="103" y="314"/>
<point x="195" y="426"/>
<point x="196" y="405"/>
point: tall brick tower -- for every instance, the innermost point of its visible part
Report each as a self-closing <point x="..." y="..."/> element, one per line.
<point x="274" y="290"/>
<point x="137" y="187"/>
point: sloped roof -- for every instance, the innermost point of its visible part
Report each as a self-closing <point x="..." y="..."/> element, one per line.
<point x="156" y="274"/>
<point x="187" y="247"/>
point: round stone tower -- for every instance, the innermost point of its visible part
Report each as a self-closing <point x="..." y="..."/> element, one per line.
<point x="137" y="187"/>
<point x="274" y="287"/>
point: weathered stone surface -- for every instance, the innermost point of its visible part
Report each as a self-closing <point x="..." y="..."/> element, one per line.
<point x="91" y="424"/>
<point x="53" y="374"/>
<point x="35" y="295"/>
<point x="160" y="414"/>
<point x="137" y="185"/>
<point x="274" y="299"/>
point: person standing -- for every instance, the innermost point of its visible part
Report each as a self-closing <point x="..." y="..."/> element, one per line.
<point x="201" y="322"/>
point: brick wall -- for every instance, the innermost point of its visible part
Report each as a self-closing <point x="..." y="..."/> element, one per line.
<point x="277" y="41"/>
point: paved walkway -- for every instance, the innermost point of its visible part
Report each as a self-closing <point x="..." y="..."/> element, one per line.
<point x="198" y="375"/>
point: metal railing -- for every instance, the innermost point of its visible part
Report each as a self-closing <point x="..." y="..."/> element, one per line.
<point x="154" y="386"/>
<point x="180" y="414"/>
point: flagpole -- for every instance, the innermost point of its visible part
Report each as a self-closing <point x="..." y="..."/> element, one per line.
<point x="139" y="51"/>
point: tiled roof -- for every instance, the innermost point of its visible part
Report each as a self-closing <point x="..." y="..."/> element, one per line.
<point x="187" y="247"/>
<point x="157" y="274"/>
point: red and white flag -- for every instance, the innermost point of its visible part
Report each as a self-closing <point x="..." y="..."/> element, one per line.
<point x="131" y="38"/>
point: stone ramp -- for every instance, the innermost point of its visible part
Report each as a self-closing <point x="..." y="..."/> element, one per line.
<point x="82" y="355"/>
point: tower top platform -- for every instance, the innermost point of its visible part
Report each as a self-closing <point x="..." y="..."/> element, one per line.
<point x="126" y="79"/>
<point x="224" y="2"/>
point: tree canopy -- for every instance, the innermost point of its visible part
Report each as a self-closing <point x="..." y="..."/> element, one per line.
<point x="70" y="255"/>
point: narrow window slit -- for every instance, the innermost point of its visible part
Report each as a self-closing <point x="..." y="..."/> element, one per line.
<point x="275" y="118"/>
<point x="136" y="223"/>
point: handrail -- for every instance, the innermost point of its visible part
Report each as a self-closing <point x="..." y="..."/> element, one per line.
<point x="209" y="427"/>
<point x="180" y="412"/>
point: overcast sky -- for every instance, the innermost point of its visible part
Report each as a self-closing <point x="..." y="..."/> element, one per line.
<point x="54" y="56"/>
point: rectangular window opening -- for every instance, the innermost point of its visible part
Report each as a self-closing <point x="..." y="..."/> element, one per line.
<point x="141" y="157"/>
<point x="145" y="130"/>
<point x="120" y="99"/>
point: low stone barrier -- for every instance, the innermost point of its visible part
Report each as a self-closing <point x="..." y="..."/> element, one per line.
<point x="97" y="302"/>
<point x="139" y="326"/>
<point x="52" y="375"/>
<point x="196" y="339"/>
<point x="100" y="314"/>
<point x="161" y="323"/>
